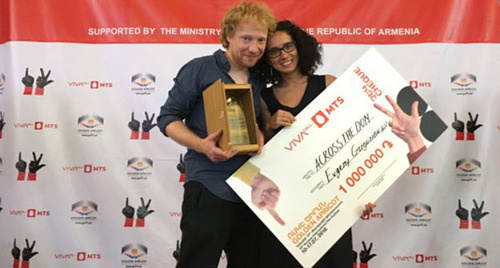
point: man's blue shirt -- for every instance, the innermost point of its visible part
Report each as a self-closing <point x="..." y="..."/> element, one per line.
<point x="185" y="102"/>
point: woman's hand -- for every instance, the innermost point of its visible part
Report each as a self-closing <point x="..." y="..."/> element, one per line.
<point x="280" y="119"/>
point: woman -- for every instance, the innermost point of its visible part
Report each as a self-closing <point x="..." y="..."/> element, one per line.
<point x="291" y="58"/>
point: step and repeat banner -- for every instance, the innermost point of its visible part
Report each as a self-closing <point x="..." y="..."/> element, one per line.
<point x="87" y="179"/>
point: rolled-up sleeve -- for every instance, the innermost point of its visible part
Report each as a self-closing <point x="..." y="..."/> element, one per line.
<point x="182" y="97"/>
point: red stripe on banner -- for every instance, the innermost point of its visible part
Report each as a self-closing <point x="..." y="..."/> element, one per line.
<point x="180" y="21"/>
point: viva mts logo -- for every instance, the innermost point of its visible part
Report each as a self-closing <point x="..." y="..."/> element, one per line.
<point x="30" y="213"/>
<point x="319" y="119"/>
<point x="418" y="258"/>
<point x="37" y="125"/>
<point x="79" y="256"/>
<point x="372" y="216"/>
<point x="92" y="84"/>
<point x="85" y="168"/>
<point x="419" y="84"/>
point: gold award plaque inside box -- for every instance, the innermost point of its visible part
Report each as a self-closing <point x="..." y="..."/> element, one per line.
<point x="230" y="107"/>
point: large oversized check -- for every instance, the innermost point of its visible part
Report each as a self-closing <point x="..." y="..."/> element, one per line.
<point x="338" y="155"/>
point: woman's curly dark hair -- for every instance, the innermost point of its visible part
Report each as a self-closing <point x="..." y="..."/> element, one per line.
<point x="308" y="50"/>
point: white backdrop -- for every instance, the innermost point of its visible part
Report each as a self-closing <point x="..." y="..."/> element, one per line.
<point x="42" y="211"/>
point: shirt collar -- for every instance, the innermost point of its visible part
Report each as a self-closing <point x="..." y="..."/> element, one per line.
<point x="222" y="61"/>
<point x="225" y="65"/>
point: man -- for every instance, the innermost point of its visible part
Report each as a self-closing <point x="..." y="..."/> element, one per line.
<point x="213" y="217"/>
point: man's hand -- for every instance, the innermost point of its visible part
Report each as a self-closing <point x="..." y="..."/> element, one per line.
<point x="260" y="141"/>
<point x="280" y="119"/>
<point x="208" y="147"/>
<point x="28" y="251"/>
<point x="405" y="127"/>
<point x="265" y="195"/>
<point x="368" y="209"/>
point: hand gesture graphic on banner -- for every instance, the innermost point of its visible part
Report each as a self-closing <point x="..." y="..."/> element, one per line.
<point x="28" y="251"/>
<point x="41" y="82"/>
<point x="128" y="212"/>
<point x="181" y="167"/>
<point x="472" y="126"/>
<point x="459" y="127"/>
<point x="2" y="123"/>
<point x="16" y="252"/>
<point x="463" y="215"/>
<point x="34" y="167"/>
<point x="21" y="167"/>
<point x="134" y="126"/>
<point x="143" y="212"/>
<point x="365" y="256"/>
<point x="27" y="254"/>
<point x="28" y="81"/>
<point x="147" y="124"/>
<point x="177" y="251"/>
<point x="477" y="214"/>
